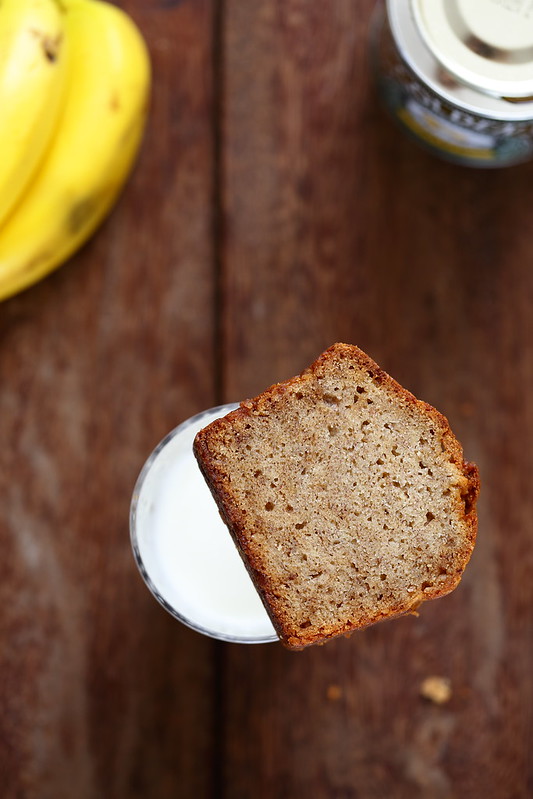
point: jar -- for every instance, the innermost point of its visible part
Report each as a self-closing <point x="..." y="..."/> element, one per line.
<point x="458" y="76"/>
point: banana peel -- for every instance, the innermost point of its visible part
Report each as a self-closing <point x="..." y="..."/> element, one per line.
<point x="92" y="150"/>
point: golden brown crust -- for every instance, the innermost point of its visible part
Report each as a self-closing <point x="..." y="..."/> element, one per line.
<point x="227" y="434"/>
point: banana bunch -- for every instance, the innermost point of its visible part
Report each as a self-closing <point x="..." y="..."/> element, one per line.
<point x="74" y="84"/>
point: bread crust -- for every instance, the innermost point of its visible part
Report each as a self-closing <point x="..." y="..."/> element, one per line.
<point x="221" y="436"/>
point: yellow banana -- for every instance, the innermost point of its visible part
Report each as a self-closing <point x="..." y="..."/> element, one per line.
<point x="97" y="138"/>
<point x="32" y="72"/>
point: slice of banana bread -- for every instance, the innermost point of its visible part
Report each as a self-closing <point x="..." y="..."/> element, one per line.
<point x="347" y="497"/>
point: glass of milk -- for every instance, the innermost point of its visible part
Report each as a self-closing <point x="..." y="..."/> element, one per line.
<point x="183" y="549"/>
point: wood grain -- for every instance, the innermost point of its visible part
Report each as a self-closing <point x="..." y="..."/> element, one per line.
<point x="97" y="363"/>
<point x="296" y="107"/>
<point x="337" y="228"/>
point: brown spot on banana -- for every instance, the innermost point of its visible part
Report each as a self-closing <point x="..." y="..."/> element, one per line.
<point x="114" y="102"/>
<point x="50" y="45"/>
<point x="81" y="212"/>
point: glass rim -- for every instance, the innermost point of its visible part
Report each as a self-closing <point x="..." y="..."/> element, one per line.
<point x="134" y="539"/>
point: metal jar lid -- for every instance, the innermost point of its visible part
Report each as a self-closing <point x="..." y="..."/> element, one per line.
<point x="477" y="54"/>
<point x="487" y="44"/>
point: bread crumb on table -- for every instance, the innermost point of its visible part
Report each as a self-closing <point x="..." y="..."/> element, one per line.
<point x="436" y="689"/>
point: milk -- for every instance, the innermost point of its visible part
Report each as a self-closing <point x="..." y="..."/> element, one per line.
<point x="183" y="549"/>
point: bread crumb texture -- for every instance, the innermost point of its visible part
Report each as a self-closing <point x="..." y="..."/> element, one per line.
<point x="347" y="497"/>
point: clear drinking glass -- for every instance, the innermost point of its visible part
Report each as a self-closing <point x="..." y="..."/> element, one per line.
<point x="183" y="549"/>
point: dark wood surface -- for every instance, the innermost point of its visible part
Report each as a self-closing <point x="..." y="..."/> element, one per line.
<point x="274" y="210"/>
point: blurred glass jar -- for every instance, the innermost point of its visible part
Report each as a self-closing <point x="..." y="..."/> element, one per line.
<point x="458" y="76"/>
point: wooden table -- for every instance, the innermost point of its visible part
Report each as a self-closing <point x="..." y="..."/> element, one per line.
<point x="274" y="210"/>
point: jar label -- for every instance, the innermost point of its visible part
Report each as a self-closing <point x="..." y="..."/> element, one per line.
<point x="441" y="132"/>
